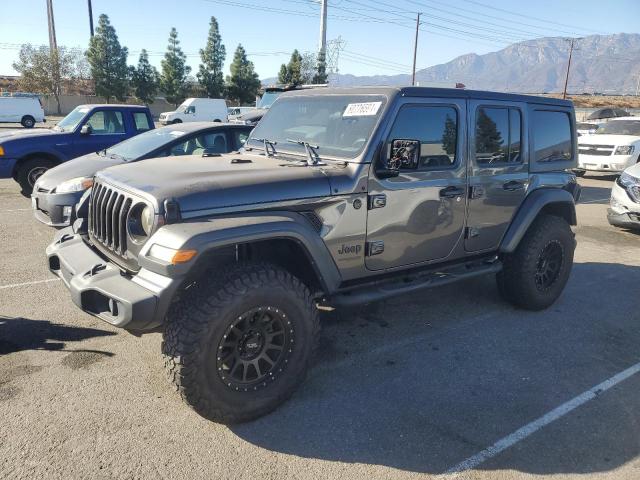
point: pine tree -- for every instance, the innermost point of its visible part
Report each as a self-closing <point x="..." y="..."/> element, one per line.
<point x="294" y="68"/>
<point x="321" y="69"/>
<point x="210" y="75"/>
<point x="173" y="81"/>
<point x="283" y="74"/>
<point x="488" y="138"/>
<point x="243" y="83"/>
<point x="108" y="62"/>
<point x="449" y="136"/>
<point x="145" y="79"/>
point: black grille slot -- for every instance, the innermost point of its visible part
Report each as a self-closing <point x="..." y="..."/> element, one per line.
<point x="599" y="150"/>
<point x="108" y="210"/>
<point x="314" y="220"/>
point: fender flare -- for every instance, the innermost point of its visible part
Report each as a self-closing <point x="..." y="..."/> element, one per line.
<point x="206" y="235"/>
<point x="533" y="204"/>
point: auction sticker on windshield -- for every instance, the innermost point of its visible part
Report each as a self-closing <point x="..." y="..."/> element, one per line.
<point x="362" y="109"/>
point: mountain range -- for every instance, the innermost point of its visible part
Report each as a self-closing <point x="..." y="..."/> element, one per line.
<point x="600" y="64"/>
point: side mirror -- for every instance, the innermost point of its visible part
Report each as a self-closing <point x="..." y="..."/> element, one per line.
<point x="86" y="130"/>
<point x="404" y="154"/>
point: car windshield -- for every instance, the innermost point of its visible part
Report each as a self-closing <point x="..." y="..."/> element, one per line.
<point x="268" y="98"/>
<point x="144" y="143"/>
<point x="71" y="121"/>
<point x="338" y="125"/>
<point x="620" y="127"/>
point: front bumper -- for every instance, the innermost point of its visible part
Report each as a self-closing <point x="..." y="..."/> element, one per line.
<point x="605" y="163"/>
<point x="623" y="211"/>
<point x="48" y="208"/>
<point x="6" y="167"/>
<point x="136" y="302"/>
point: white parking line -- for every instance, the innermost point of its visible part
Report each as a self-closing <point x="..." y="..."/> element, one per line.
<point x="541" y="422"/>
<point x="24" y="284"/>
<point x="17" y="210"/>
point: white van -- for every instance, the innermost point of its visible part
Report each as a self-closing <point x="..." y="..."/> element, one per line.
<point x="235" y="112"/>
<point x="197" y="110"/>
<point x="24" y="109"/>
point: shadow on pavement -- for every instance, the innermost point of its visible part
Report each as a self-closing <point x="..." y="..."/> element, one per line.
<point x="18" y="334"/>
<point x="421" y="399"/>
<point x="595" y="195"/>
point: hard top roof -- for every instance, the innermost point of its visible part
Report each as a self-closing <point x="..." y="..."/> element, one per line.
<point x="112" y="106"/>
<point x="189" y="127"/>
<point x="432" y="92"/>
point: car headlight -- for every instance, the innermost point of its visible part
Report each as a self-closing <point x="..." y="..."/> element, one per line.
<point x="140" y="222"/>
<point x="631" y="184"/>
<point x="78" y="184"/>
<point x="624" y="150"/>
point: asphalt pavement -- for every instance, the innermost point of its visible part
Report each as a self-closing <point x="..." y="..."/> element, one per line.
<point x="445" y="383"/>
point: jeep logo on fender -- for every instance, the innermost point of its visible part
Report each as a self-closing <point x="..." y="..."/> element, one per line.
<point x="346" y="249"/>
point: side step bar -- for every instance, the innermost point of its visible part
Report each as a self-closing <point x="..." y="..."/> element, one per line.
<point x="382" y="289"/>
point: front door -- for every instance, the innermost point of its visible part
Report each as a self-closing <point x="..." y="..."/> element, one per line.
<point x="418" y="216"/>
<point x="498" y="173"/>
<point x="107" y="129"/>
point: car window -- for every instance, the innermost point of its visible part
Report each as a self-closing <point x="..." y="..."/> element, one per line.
<point x="190" y="109"/>
<point x="552" y="136"/>
<point x="240" y="138"/>
<point x="142" y="121"/>
<point x="436" y="127"/>
<point x="211" y="142"/>
<point x="106" y="122"/>
<point x="498" y="132"/>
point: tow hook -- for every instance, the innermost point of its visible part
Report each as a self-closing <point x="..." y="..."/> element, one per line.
<point x="64" y="238"/>
<point x="95" y="269"/>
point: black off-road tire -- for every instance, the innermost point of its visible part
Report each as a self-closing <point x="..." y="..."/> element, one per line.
<point x="196" y="329"/>
<point x="177" y="120"/>
<point x="521" y="281"/>
<point x="28" y="121"/>
<point x="29" y="171"/>
<point x="579" y="173"/>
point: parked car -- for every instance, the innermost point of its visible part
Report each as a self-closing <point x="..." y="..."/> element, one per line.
<point x="57" y="192"/>
<point x="613" y="147"/>
<point x="26" y="155"/>
<point x="624" y="207"/>
<point x="585" y="128"/>
<point x="269" y="96"/>
<point x="340" y="196"/>
<point x="235" y="112"/>
<point x="608" y="113"/>
<point x="197" y="110"/>
<point x="21" y="108"/>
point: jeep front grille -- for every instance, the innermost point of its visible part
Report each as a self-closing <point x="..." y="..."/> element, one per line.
<point x="108" y="210"/>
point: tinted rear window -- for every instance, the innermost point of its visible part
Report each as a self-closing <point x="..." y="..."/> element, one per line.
<point x="552" y="136"/>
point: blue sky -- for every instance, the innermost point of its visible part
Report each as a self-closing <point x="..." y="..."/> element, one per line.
<point x="377" y="34"/>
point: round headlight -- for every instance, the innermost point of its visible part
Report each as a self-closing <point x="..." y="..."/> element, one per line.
<point x="146" y="219"/>
<point x="140" y="222"/>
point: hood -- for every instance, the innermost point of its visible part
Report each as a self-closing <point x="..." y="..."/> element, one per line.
<point x="30" y="133"/>
<point x="634" y="170"/>
<point x="607" y="139"/>
<point x="85" y="166"/>
<point x="254" y="116"/>
<point x="202" y="183"/>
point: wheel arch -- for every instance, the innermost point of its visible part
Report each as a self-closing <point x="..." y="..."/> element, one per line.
<point x="29" y="156"/>
<point x="285" y="239"/>
<point x="549" y="201"/>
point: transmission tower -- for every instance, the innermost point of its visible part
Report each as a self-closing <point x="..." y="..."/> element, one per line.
<point x="334" y="47"/>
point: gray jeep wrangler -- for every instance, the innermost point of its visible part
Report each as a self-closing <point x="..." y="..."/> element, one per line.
<point x="341" y="196"/>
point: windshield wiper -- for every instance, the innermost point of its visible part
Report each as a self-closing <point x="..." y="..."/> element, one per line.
<point x="312" y="155"/>
<point x="267" y="143"/>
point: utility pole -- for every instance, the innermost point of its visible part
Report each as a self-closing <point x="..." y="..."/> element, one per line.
<point x="322" y="47"/>
<point x="415" y="50"/>
<point x="53" y="45"/>
<point x="90" y="17"/>
<point x="566" y="80"/>
<point x="638" y="84"/>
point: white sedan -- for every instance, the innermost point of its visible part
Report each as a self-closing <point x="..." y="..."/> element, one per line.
<point x="624" y="209"/>
<point x="613" y="147"/>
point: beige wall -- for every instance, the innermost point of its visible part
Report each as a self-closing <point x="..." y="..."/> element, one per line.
<point x="69" y="102"/>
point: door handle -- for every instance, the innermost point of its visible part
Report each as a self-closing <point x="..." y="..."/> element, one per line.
<point x="513" y="185"/>
<point x="452" y="192"/>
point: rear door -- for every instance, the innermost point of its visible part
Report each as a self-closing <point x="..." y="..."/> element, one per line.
<point x="418" y="216"/>
<point x="498" y="170"/>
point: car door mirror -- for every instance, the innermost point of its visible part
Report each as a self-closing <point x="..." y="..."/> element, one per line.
<point x="86" y="130"/>
<point x="404" y="154"/>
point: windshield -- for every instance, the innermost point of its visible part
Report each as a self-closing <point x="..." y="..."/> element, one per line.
<point x="339" y="125"/>
<point x="620" y="127"/>
<point x="71" y="121"/>
<point x="144" y="143"/>
<point x="268" y="98"/>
